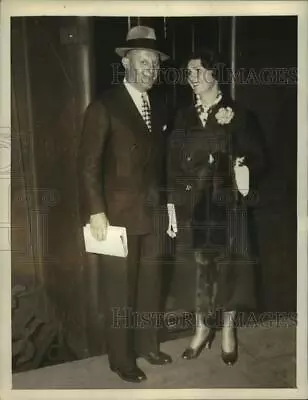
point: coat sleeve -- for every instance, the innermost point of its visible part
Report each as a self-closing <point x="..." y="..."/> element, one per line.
<point x="174" y="153"/>
<point x="94" y="137"/>
<point x="251" y="145"/>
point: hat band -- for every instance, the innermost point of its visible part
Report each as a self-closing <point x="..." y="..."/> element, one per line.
<point x="142" y="43"/>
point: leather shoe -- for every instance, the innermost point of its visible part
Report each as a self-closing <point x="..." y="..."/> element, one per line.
<point x="191" y="353"/>
<point x="133" y="374"/>
<point x="230" y="358"/>
<point x="159" y="358"/>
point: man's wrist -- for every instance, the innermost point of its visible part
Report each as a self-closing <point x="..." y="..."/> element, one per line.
<point x="94" y="215"/>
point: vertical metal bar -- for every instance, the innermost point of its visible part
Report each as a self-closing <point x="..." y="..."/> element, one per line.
<point x="220" y="34"/>
<point x="192" y="49"/>
<point x="233" y="56"/>
<point x="165" y="28"/>
<point x="193" y="37"/>
<point x="38" y="264"/>
<point x="173" y="42"/>
<point x="165" y="37"/>
<point x="84" y="61"/>
<point x="34" y="215"/>
<point x="138" y="20"/>
<point x="24" y="179"/>
<point x="173" y="57"/>
<point x="129" y="23"/>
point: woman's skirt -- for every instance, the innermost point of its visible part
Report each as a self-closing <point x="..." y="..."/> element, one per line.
<point x="217" y="236"/>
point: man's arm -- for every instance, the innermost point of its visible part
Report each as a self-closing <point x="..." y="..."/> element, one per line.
<point x="96" y="128"/>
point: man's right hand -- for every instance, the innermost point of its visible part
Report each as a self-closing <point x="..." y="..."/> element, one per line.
<point x="99" y="225"/>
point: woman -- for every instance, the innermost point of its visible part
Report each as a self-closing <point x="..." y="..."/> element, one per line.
<point x="214" y="160"/>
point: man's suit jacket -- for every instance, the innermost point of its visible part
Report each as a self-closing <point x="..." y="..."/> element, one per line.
<point x="121" y="163"/>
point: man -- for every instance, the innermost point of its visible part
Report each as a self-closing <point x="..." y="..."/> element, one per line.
<point x="121" y="166"/>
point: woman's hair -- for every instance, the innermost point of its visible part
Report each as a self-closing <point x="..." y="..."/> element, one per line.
<point x="213" y="61"/>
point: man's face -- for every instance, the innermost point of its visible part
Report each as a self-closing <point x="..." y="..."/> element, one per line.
<point x="141" y="68"/>
<point x="199" y="78"/>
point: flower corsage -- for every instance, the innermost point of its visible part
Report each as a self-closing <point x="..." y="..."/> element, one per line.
<point x="224" y="115"/>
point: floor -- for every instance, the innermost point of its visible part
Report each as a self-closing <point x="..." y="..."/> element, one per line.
<point x="267" y="359"/>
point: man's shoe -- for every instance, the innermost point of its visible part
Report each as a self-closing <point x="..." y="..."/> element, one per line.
<point x="159" y="358"/>
<point x="133" y="374"/>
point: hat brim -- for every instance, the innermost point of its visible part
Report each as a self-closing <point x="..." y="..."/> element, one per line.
<point x="121" y="51"/>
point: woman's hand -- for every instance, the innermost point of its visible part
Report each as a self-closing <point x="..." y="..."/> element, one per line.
<point x="172" y="224"/>
<point x="211" y="159"/>
<point x="241" y="173"/>
<point x="239" y="161"/>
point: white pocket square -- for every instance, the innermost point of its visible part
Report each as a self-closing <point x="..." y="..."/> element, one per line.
<point x="164" y="127"/>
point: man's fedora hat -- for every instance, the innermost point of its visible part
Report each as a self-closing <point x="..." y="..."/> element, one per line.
<point x="140" y="37"/>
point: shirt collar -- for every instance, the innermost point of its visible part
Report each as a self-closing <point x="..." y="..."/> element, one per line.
<point x="216" y="101"/>
<point x="132" y="90"/>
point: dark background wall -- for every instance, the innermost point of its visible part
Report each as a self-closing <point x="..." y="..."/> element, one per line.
<point x="271" y="43"/>
<point x="58" y="65"/>
<point x="50" y="79"/>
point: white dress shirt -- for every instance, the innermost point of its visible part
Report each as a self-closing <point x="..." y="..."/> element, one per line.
<point x="136" y="96"/>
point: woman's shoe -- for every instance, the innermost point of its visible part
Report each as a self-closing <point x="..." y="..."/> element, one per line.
<point x="191" y="353"/>
<point x="230" y="358"/>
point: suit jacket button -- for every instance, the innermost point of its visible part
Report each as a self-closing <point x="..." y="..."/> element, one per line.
<point x="188" y="188"/>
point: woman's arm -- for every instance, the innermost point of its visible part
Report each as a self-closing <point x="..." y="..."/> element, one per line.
<point x="251" y="145"/>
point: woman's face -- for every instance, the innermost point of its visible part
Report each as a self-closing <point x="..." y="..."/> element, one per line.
<point x="200" y="79"/>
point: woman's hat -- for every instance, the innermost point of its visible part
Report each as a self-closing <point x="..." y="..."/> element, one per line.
<point x="140" y="37"/>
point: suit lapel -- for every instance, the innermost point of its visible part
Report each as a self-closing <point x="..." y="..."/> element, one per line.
<point x="127" y="112"/>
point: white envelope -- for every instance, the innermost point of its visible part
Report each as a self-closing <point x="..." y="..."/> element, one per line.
<point x="115" y="243"/>
<point x="242" y="179"/>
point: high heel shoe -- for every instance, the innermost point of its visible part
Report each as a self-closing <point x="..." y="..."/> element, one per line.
<point x="191" y="353"/>
<point x="230" y="358"/>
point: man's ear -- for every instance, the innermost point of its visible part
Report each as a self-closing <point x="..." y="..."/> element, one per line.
<point x="125" y="62"/>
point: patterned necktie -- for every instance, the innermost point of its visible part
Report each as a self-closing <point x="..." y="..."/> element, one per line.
<point x="146" y="112"/>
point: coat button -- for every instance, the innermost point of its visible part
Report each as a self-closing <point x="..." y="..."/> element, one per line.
<point x="188" y="158"/>
<point x="188" y="188"/>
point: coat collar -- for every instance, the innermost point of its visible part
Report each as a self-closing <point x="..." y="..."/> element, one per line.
<point x="225" y="101"/>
